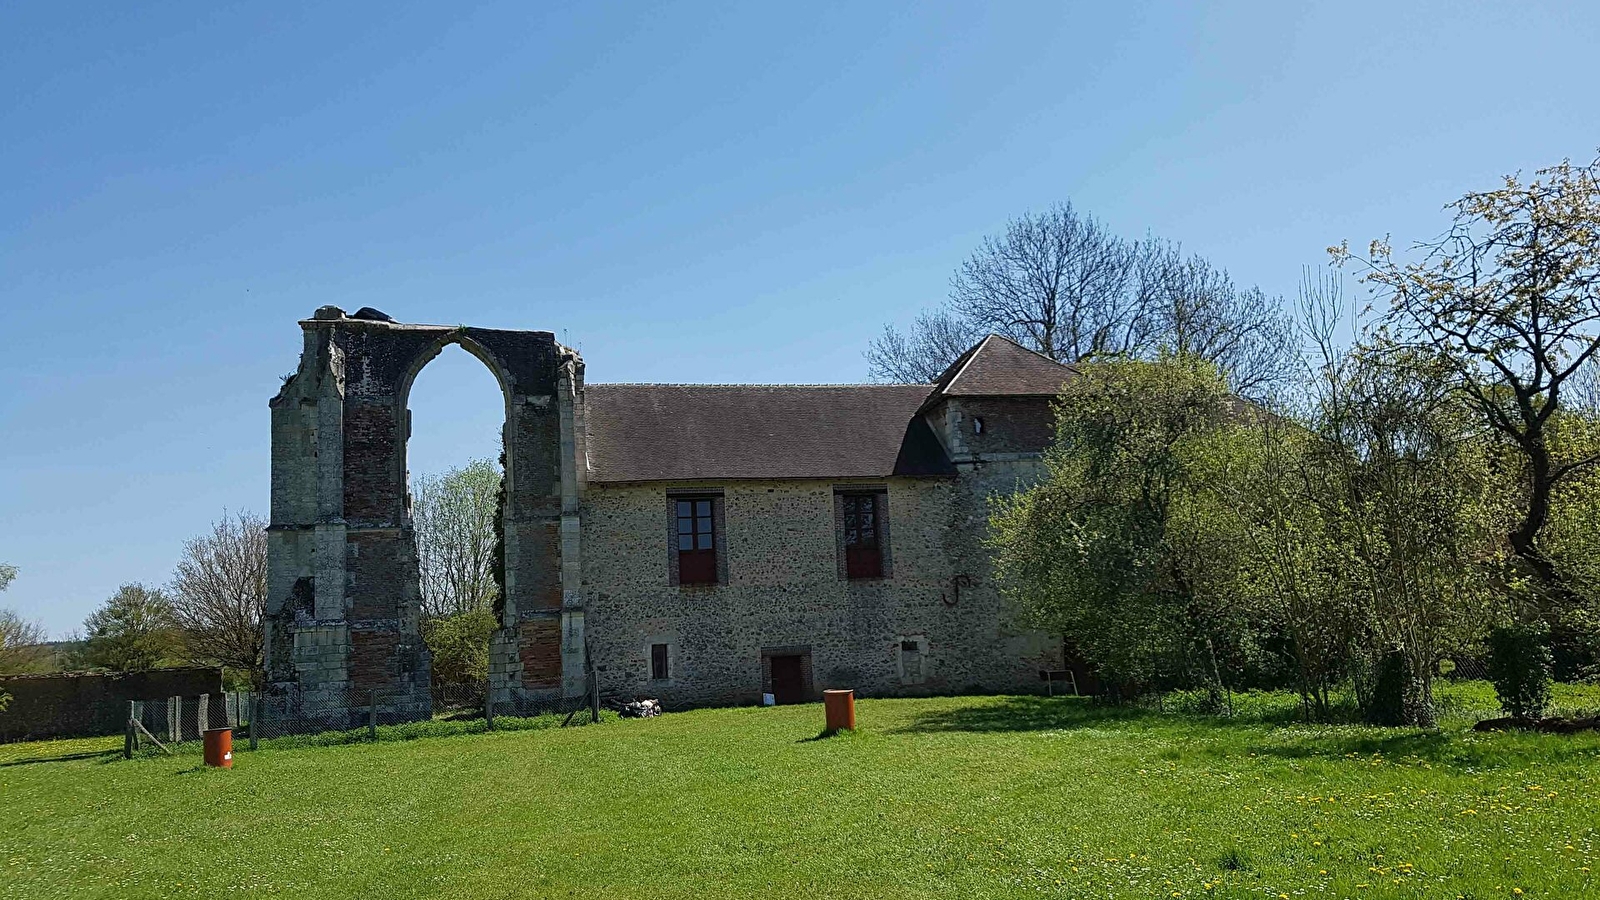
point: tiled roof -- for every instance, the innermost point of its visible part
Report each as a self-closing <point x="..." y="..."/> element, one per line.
<point x="1000" y="367"/>
<point x="685" y="432"/>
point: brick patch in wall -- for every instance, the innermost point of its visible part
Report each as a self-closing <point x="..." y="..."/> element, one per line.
<point x="372" y="658"/>
<point x="539" y="643"/>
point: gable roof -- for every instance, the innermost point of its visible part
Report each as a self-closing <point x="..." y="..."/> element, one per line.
<point x="689" y="432"/>
<point x="1000" y="367"/>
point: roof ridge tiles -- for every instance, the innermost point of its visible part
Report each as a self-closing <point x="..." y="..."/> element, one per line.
<point x="745" y="384"/>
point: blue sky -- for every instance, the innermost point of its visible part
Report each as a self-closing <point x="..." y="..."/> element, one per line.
<point x="686" y="192"/>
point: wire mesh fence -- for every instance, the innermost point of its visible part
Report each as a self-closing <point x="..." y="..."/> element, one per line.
<point x="351" y="714"/>
<point x="172" y="721"/>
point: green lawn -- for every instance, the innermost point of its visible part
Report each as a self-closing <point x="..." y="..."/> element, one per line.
<point x="958" y="797"/>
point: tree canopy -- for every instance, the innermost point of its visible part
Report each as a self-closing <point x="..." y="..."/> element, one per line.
<point x="133" y="630"/>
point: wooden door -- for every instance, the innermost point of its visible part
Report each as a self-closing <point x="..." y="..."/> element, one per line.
<point x="788" y="680"/>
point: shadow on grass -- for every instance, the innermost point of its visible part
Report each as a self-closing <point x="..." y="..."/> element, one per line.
<point x="1030" y="714"/>
<point x="1446" y="748"/>
<point x="65" y="757"/>
<point x="825" y="734"/>
<point x="1261" y="732"/>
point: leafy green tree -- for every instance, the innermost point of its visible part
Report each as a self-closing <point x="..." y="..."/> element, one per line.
<point x="1291" y="570"/>
<point x="1571" y="539"/>
<point x="1508" y="302"/>
<point x="1117" y="547"/>
<point x="454" y="518"/>
<point x="457" y="517"/>
<point x="1404" y="486"/>
<point x="134" y="630"/>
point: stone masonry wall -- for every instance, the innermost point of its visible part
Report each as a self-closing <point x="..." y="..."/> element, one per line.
<point x="784" y="590"/>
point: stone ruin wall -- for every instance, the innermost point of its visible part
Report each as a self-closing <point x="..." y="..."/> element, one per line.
<point x="343" y="606"/>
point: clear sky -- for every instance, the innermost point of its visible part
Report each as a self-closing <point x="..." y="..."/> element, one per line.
<point x="685" y="192"/>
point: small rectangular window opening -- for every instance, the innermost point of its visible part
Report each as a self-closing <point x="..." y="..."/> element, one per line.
<point x="658" y="662"/>
<point x="977" y="425"/>
<point x="911" y="662"/>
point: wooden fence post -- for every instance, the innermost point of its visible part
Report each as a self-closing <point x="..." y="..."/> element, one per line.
<point x="594" y="699"/>
<point x="202" y="715"/>
<point x="372" y="715"/>
<point x="488" y="705"/>
<point x="255" y="716"/>
<point x="128" y="737"/>
<point x="174" y="719"/>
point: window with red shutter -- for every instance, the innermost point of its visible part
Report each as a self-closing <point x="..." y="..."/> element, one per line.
<point x="697" y="541"/>
<point x="863" y="551"/>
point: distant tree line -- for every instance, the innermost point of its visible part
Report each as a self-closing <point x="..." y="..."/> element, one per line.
<point x="208" y="614"/>
<point x="1426" y="489"/>
<point x="211" y="611"/>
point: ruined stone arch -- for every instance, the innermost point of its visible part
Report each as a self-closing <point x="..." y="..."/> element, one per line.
<point x="460" y="338"/>
<point x="343" y="597"/>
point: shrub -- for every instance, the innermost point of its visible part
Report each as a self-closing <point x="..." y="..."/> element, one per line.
<point x="460" y="646"/>
<point x="1519" y="666"/>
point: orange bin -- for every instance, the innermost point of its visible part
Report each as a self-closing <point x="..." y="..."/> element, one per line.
<point x="840" y="707"/>
<point x="219" y="747"/>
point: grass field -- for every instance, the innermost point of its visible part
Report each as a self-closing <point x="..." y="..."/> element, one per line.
<point x="958" y="797"/>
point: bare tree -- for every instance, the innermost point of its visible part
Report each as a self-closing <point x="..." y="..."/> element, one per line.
<point x="22" y="643"/>
<point x="1056" y="282"/>
<point x="1586" y="388"/>
<point x="219" y="593"/>
<point x="1060" y="283"/>
<point x="936" y="338"/>
<point x="454" y="517"/>
<point x="1190" y="307"/>
<point x="1510" y="296"/>
<point x="21" y="640"/>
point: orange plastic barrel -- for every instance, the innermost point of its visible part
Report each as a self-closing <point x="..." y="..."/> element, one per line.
<point x="219" y="747"/>
<point x="840" y="707"/>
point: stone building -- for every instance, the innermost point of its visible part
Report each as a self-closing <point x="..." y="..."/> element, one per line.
<point x="698" y="543"/>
